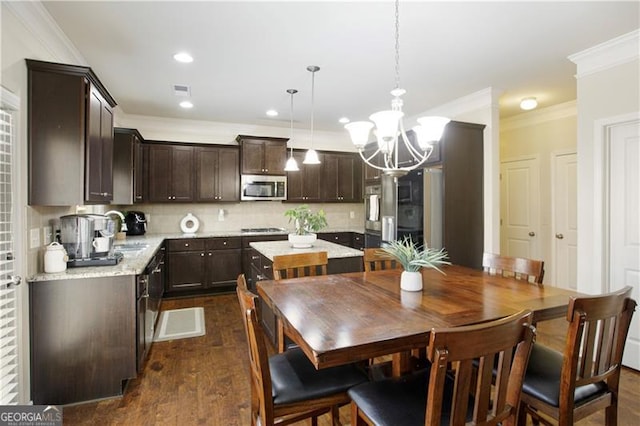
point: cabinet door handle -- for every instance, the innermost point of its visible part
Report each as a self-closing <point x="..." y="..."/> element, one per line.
<point x="532" y="234"/>
<point x="265" y="267"/>
<point x="559" y="236"/>
<point x="255" y="257"/>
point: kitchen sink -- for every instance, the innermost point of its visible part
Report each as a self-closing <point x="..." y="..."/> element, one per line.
<point x="130" y="247"/>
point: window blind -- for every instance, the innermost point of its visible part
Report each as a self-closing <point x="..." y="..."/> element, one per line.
<point x="8" y="300"/>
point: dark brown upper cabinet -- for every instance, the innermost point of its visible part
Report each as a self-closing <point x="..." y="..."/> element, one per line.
<point x="262" y="155"/>
<point x="171" y="173"/>
<point x="341" y="177"/>
<point x="217" y="174"/>
<point x="304" y="185"/>
<point x="70" y="130"/>
<point x="129" y="168"/>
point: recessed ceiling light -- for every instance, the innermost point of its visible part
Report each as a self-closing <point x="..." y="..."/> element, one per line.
<point x="272" y="113"/>
<point x="344" y="120"/>
<point x="186" y="104"/>
<point x="183" y="57"/>
<point x="528" y="103"/>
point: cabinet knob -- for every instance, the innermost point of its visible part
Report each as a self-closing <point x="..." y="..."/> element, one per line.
<point x="210" y="254"/>
<point x="224" y="243"/>
<point x="559" y="236"/>
<point x="168" y="198"/>
<point x="138" y="197"/>
<point x="532" y="234"/>
<point x="201" y="254"/>
<point x="186" y="244"/>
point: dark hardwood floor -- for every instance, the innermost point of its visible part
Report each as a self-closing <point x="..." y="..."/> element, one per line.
<point x="205" y="380"/>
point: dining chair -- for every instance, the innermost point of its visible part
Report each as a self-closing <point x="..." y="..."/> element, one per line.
<point x="287" y="388"/>
<point x="518" y="267"/>
<point x="295" y="266"/>
<point x="443" y="394"/>
<point x="584" y="378"/>
<point x="300" y="265"/>
<point x="375" y="259"/>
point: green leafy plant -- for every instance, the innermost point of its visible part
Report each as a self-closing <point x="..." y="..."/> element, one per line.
<point x="412" y="258"/>
<point x="305" y="220"/>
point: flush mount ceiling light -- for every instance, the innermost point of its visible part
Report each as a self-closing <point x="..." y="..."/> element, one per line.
<point x="292" y="164"/>
<point x="428" y="131"/>
<point x="272" y="113"/>
<point x="343" y="120"/>
<point x="311" y="157"/>
<point x="528" y="103"/>
<point x="183" y="57"/>
<point x="186" y="104"/>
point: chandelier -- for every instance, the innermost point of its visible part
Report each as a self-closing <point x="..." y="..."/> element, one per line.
<point x="390" y="131"/>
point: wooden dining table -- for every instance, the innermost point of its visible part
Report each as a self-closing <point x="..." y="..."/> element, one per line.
<point x="343" y="318"/>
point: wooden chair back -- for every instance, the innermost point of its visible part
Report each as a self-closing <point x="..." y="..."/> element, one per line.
<point x="375" y="259"/>
<point x="522" y="269"/>
<point x="300" y="265"/>
<point x="596" y="337"/>
<point x="261" y="400"/>
<point x="503" y="345"/>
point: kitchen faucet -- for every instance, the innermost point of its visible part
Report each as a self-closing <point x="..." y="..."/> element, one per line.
<point x="123" y="225"/>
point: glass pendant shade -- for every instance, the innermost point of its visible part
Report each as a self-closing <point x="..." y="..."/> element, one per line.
<point x="359" y="132"/>
<point x="386" y="128"/>
<point x="292" y="165"/>
<point x="311" y="157"/>
<point x="430" y="130"/>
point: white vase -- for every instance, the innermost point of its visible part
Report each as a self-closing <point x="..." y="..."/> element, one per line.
<point x="302" y="241"/>
<point x="411" y="281"/>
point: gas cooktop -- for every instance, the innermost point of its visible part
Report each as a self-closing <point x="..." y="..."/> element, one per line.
<point x="262" y="230"/>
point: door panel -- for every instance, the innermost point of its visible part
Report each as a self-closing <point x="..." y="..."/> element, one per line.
<point x="624" y="223"/>
<point x="565" y="217"/>
<point x="520" y="209"/>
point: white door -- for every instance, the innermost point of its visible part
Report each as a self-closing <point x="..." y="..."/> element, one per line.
<point x="565" y="221"/>
<point x="520" y="208"/>
<point x="10" y="355"/>
<point x="624" y="223"/>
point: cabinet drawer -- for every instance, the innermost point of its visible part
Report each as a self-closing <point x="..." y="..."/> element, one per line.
<point x="224" y="243"/>
<point x="186" y="244"/>
<point x="342" y="238"/>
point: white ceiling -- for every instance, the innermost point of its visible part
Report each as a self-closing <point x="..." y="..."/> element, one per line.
<point x="247" y="54"/>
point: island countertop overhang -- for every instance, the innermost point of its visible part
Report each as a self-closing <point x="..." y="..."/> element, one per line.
<point x="269" y="249"/>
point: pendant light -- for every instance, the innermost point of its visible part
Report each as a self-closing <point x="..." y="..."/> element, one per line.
<point x="390" y="131"/>
<point x="311" y="157"/>
<point x="292" y="164"/>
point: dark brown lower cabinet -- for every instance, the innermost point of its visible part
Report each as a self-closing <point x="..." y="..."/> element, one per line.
<point x="83" y="338"/>
<point x="202" y="265"/>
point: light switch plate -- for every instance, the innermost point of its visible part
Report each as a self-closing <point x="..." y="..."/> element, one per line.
<point x="34" y="238"/>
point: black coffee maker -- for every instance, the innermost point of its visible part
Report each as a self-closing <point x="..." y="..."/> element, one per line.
<point x="136" y="223"/>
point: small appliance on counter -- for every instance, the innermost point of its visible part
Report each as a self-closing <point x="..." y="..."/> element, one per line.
<point x="136" y="223"/>
<point x="88" y="240"/>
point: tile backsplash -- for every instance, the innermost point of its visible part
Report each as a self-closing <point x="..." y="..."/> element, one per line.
<point x="165" y="218"/>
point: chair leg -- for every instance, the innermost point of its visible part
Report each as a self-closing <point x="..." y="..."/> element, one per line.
<point x="335" y="416"/>
<point x="611" y="415"/>
<point x="314" y="421"/>
<point x="281" y="338"/>
<point x="522" y="414"/>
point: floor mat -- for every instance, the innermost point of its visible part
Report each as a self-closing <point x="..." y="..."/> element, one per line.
<point x="180" y="324"/>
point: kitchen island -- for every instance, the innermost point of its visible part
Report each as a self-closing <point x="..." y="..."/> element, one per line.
<point x="341" y="259"/>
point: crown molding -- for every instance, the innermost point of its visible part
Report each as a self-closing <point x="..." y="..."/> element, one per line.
<point x="609" y="54"/>
<point x="37" y="20"/>
<point x="482" y="99"/>
<point x="543" y="115"/>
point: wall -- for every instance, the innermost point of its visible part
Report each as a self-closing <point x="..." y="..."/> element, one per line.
<point x="541" y="133"/>
<point x="608" y="87"/>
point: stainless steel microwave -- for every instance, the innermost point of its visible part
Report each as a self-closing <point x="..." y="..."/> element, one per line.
<point x="258" y="187"/>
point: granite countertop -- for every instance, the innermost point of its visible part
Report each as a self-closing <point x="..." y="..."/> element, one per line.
<point x="269" y="249"/>
<point x="134" y="262"/>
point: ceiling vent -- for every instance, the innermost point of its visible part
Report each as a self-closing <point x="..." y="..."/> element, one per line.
<point x="181" y="90"/>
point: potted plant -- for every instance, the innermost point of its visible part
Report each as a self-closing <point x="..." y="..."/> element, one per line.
<point x="412" y="258"/>
<point x="306" y="225"/>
